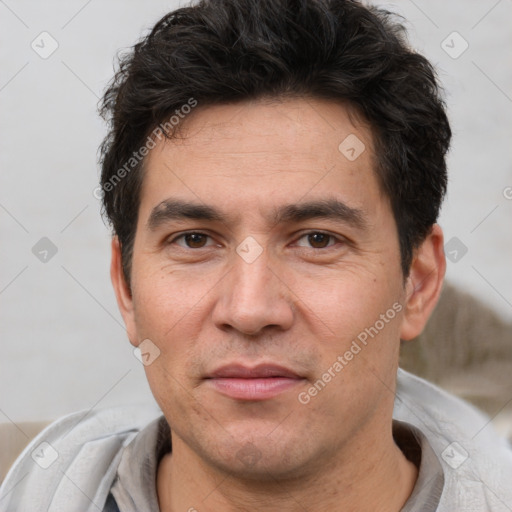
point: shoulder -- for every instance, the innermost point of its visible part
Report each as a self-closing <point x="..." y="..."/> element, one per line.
<point x="476" y="461"/>
<point x="73" y="461"/>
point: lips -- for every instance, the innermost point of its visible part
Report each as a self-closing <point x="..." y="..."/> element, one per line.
<point x="261" y="382"/>
<point x="262" y="371"/>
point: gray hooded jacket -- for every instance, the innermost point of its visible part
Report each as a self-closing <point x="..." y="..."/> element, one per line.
<point x="107" y="460"/>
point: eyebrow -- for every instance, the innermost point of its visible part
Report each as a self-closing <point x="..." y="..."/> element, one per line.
<point x="174" y="209"/>
<point x="321" y="209"/>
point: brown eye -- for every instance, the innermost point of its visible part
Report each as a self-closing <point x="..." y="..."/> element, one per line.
<point x="195" y="240"/>
<point x="319" y="240"/>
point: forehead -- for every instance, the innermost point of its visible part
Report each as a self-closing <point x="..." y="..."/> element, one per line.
<point x="254" y="154"/>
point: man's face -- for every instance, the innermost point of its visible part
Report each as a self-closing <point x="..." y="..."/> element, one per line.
<point x="292" y="253"/>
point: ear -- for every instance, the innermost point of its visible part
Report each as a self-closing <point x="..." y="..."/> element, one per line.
<point x="424" y="283"/>
<point x="123" y="294"/>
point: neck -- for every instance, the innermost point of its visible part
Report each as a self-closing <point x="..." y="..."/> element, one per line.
<point x="357" y="477"/>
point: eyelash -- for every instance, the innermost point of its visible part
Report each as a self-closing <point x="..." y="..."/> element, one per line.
<point x="308" y="233"/>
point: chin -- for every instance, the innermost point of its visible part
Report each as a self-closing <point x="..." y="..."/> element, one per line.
<point x="263" y="460"/>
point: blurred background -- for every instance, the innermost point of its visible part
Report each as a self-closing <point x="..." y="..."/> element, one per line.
<point x="62" y="341"/>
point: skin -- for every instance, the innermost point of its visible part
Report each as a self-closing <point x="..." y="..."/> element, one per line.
<point x="300" y="304"/>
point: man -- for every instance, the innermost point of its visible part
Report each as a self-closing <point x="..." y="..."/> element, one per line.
<point x="273" y="175"/>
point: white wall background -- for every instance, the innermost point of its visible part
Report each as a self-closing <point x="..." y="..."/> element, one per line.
<point x="62" y="341"/>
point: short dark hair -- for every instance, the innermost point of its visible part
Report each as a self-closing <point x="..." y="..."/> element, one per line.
<point x="225" y="51"/>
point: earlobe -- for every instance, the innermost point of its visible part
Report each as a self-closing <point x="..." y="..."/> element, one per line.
<point x="122" y="291"/>
<point x="424" y="283"/>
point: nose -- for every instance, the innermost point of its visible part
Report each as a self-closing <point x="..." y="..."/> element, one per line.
<point x="253" y="297"/>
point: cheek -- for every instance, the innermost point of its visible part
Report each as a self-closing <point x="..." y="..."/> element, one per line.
<point x="171" y="317"/>
<point x="357" y="317"/>
<point x="166" y="300"/>
<point x="344" y="300"/>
